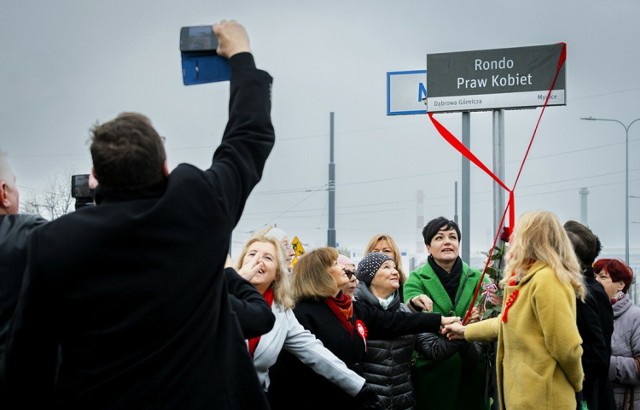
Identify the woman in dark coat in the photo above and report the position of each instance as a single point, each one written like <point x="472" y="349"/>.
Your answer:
<point x="343" y="325"/>
<point x="387" y="366"/>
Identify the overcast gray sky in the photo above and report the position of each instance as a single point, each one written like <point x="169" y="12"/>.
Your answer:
<point x="71" y="63"/>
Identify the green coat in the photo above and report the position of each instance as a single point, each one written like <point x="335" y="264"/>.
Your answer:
<point x="456" y="382"/>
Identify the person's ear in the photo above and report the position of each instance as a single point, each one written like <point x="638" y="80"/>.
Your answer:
<point x="93" y="181"/>
<point x="4" y="201"/>
<point x="165" y="168"/>
<point x="6" y="204"/>
<point x="619" y="286"/>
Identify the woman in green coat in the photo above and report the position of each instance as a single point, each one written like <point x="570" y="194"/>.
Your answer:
<point x="448" y="375"/>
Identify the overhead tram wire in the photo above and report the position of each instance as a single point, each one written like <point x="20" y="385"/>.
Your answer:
<point x="446" y="196"/>
<point x="452" y="170"/>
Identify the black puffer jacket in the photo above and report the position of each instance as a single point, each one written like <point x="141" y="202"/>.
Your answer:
<point x="388" y="363"/>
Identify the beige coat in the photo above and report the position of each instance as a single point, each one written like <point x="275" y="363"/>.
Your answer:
<point x="539" y="347"/>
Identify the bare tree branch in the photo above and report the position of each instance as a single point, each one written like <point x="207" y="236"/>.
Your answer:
<point x="54" y="200"/>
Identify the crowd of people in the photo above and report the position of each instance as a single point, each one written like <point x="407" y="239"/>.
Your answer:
<point x="135" y="303"/>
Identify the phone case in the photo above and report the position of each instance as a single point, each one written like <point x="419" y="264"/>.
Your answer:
<point x="199" y="68"/>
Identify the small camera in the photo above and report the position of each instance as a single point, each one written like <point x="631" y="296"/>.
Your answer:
<point x="80" y="190"/>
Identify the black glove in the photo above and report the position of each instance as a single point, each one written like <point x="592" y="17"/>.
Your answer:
<point x="368" y="398"/>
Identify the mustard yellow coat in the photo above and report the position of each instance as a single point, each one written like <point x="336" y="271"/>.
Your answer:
<point x="539" y="348"/>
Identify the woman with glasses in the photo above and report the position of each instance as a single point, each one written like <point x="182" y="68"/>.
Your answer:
<point x="350" y="270"/>
<point x="344" y="326"/>
<point x="624" y="369"/>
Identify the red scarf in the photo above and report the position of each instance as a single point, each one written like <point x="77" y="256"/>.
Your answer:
<point x="253" y="342"/>
<point x="342" y="307"/>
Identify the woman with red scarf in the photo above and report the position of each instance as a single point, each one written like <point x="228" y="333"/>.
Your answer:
<point x="344" y="327"/>
<point x="262" y="263"/>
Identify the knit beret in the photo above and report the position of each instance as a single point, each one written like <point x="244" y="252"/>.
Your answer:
<point x="369" y="265"/>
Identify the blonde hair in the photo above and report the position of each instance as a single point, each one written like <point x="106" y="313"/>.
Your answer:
<point x="397" y="257"/>
<point x="539" y="236"/>
<point x="311" y="279"/>
<point x="280" y="285"/>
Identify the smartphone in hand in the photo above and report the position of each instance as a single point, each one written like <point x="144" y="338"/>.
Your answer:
<point x="200" y="62"/>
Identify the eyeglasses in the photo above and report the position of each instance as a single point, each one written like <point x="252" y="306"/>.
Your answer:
<point x="349" y="273"/>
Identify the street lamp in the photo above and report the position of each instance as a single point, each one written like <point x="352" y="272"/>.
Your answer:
<point x="626" y="183"/>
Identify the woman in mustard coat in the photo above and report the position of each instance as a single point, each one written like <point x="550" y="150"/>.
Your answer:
<point x="539" y="347"/>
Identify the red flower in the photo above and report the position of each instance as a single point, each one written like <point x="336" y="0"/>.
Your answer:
<point x="506" y="234"/>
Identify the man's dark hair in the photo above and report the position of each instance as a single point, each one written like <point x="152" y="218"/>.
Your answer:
<point x="127" y="152"/>
<point x="585" y="243"/>
<point x="435" y="225"/>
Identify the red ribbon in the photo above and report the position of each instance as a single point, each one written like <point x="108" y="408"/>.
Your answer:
<point x="455" y="143"/>
<point x="507" y="306"/>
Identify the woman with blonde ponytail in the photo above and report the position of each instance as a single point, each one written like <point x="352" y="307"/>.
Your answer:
<point x="539" y="346"/>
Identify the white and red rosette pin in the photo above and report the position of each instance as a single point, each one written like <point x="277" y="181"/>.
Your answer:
<point x="362" y="331"/>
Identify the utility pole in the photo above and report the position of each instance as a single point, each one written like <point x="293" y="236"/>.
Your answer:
<point x="498" y="167"/>
<point x="331" y="231"/>
<point x="465" y="228"/>
<point x="626" y="178"/>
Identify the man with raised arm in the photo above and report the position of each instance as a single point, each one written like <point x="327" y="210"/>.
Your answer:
<point x="125" y="304"/>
